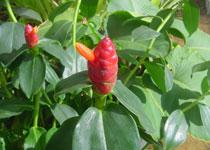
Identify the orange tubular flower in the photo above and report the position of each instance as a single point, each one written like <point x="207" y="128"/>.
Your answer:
<point x="102" y="64"/>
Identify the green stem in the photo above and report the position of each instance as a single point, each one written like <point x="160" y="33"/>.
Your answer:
<point x="148" y="49"/>
<point x="75" y="22"/>
<point x="9" y="9"/>
<point x="36" y="109"/>
<point x="47" y="98"/>
<point x="3" y="82"/>
<point x="193" y="104"/>
<point x="100" y="101"/>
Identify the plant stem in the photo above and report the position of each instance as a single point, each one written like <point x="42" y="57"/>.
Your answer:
<point x="100" y="101"/>
<point x="3" y="82"/>
<point x="36" y="109"/>
<point x="148" y="49"/>
<point x="75" y="22"/>
<point x="9" y="9"/>
<point x="47" y="98"/>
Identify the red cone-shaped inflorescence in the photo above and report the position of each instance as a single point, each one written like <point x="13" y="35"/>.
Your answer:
<point x="102" y="64"/>
<point x="31" y="36"/>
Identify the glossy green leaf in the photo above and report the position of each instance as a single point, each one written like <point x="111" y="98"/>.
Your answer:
<point x="2" y="144"/>
<point x="63" y="136"/>
<point x="103" y="128"/>
<point x="161" y="76"/>
<point x="62" y="112"/>
<point x="13" y="108"/>
<point x="133" y="104"/>
<point x="88" y="8"/>
<point x="205" y="113"/>
<point x="51" y="75"/>
<point x="55" y="49"/>
<point x="75" y="81"/>
<point x="33" y="137"/>
<point x="151" y="102"/>
<point x="191" y="16"/>
<point x="60" y="30"/>
<point x="175" y="130"/>
<point x="28" y="13"/>
<point x="163" y="14"/>
<point x="44" y="139"/>
<point x="144" y="33"/>
<point x="11" y="37"/>
<point x="31" y="75"/>
<point x="78" y="63"/>
<point x="60" y="9"/>
<point x="198" y="117"/>
<point x="134" y="7"/>
<point x="201" y="67"/>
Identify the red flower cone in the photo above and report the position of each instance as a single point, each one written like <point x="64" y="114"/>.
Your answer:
<point x="102" y="64"/>
<point x="31" y="36"/>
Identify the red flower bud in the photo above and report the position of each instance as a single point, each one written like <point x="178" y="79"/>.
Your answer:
<point x="31" y="36"/>
<point x="102" y="70"/>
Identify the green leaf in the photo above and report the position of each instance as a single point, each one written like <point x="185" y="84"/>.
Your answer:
<point x="161" y="76"/>
<point x="33" y="137"/>
<point x="111" y="129"/>
<point x="151" y="100"/>
<point x="133" y="104"/>
<point x="75" y="81"/>
<point x="134" y="7"/>
<point x="13" y="108"/>
<point x="191" y="16"/>
<point x="28" y="13"/>
<point x="8" y="58"/>
<point x="88" y="8"/>
<point x="197" y="117"/>
<point x="60" y="30"/>
<point x="44" y="139"/>
<point x="78" y="63"/>
<point x="53" y="48"/>
<point x="51" y="75"/>
<point x="144" y="33"/>
<point x="31" y="75"/>
<point x="163" y="14"/>
<point x="175" y="130"/>
<point x="60" y="9"/>
<point x="205" y="117"/>
<point x="201" y="67"/>
<point x="62" y="112"/>
<point x="63" y="136"/>
<point x="11" y="37"/>
<point x="2" y="144"/>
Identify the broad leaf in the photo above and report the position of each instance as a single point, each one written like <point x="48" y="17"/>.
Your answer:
<point x="191" y="16"/>
<point x="51" y="75"/>
<point x="2" y="144"/>
<point x="63" y="136"/>
<point x="205" y="117"/>
<point x="60" y="9"/>
<point x="134" y="7"/>
<point x="11" y="37"/>
<point x="28" y="13"/>
<point x="75" y="81"/>
<point x="33" y="137"/>
<point x="62" y="112"/>
<point x="161" y="76"/>
<point x="201" y="67"/>
<point x="14" y="108"/>
<point x="133" y="104"/>
<point x="31" y="75"/>
<point x="44" y="139"/>
<point x="175" y="130"/>
<point x="113" y="128"/>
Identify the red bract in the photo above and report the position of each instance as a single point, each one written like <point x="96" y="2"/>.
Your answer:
<point x="102" y="70"/>
<point x="31" y="36"/>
